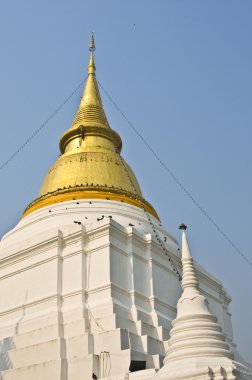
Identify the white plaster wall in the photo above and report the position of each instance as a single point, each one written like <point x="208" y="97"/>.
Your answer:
<point x="61" y="281"/>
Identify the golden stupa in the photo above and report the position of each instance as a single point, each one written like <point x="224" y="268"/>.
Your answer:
<point x="90" y="166"/>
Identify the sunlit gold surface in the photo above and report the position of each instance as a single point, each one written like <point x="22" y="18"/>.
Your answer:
<point x="90" y="118"/>
<point x="91" y="168"/>
<point x="90" y="165"/>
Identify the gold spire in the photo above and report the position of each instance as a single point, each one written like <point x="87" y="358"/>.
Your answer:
<point x="90" y="114"/>
<point x="91" y="66"/>
<point x="92" y="44"/>
<point x="90" y="165"/>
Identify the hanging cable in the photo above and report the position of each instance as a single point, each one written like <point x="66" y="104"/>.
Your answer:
<point x="152" y="225"/>
<point x="179" y="183"/>
<point x="42" y="126"/>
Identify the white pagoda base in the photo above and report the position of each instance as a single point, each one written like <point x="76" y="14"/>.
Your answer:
<point x="81" y="297"/>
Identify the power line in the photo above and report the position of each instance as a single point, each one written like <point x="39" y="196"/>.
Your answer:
<point x="179" y="183"/>
<point x="42" y="126"/>
<point x="156" y="234"/>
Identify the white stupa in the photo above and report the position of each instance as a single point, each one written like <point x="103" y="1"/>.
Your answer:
<point x="197" y="348"/>
<point x="89" y="276"/>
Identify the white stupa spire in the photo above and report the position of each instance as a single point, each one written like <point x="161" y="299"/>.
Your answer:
<point x="191" y="295"/>
<point x="197" y="348"/>
<point x="189" y="280"/>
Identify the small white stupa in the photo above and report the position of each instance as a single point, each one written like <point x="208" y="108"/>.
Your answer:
<point x="197" y="348"/>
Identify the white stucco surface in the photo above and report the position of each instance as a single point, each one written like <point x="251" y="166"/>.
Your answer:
<point x="78" y="299"/>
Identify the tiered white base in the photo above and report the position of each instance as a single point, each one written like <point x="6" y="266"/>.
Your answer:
<point x="89" y="298"/>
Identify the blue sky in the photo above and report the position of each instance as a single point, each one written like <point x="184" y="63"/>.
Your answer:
<point x="181" y="72"/>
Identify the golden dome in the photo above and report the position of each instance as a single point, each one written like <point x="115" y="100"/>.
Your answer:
<point x="90" y="166"/>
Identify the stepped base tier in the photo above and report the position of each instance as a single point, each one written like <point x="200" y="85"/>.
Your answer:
<point x="87" y="293"/>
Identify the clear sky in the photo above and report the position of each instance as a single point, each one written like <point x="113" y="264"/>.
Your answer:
<point x="181" y="72"/>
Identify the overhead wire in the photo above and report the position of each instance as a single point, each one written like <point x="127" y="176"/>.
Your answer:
<point x="162" y="163"/>
<point x="152" y="225"/>
<point x="175" y="178"/>
<point x="42" y="126"/>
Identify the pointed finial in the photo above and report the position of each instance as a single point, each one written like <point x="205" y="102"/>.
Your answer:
<point x="186" y="254"/>
<point x="189" y="279"/>
<point x="91" y="66"/>
<point x="92" y="44"/>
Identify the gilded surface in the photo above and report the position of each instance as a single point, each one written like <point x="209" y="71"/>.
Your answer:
<point x="90" y="164"/>
<point x="90" y="168"/>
